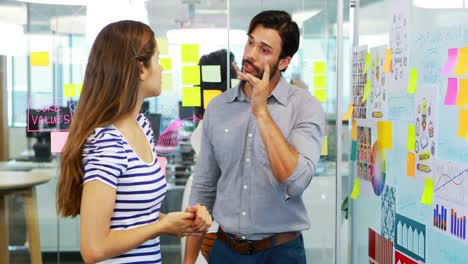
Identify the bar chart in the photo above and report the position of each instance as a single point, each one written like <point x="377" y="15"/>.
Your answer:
<point x="457" y="224"/>
<point x="440" y="217"/>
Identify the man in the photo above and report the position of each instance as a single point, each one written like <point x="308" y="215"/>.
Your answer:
<point x="261" y="143"/>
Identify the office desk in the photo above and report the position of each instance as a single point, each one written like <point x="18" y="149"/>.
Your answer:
<point x="21" y="183"/>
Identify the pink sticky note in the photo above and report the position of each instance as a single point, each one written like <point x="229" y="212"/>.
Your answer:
<point x="452" y="91"/>
<point x="451" y="61"/>
<point x="57" y="141"/>
<point x="162" y="163"/>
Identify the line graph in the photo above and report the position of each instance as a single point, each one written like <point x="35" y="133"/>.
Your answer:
<point x="450" y="182"/>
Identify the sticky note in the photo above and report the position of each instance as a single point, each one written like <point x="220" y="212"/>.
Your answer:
<point x="166" y="63"/>
<point x="321" y="94"/>
<point x="163" y="46"/>
<point x="162" y="163"/>
<point x="353" y="150"/>
<point x="411" y="141"/>
<point x="320" y="81"/>
<point x="39" y="58"/>
<point x="451" y="61"/>
<point x="366" y="91"/>
<point x="191" y="75"/>
<point x="348" y="114"/>
<point x="413" y="81"/>
<point x="69" y="90"/>
<point x="356" y="188"/>
<point x="324" y="146"/>
<point x="463" y="123"/>
<point x="208" y="95"/>
<point x="452" y="91"/>
<point x="368" y="62"/>
<point x="428" y="193"/>
<point x="354" y="130"/>
<point x="189" y="53"/>
<point x="80" y="87"/>
<point x="388" y="61"/>
<point x="211" y="73"/>
<point x="234" y="82"/>
<point x="462" y="64"/>
<point x="166" y="82"/>
<point x="320" y="67"/>
<point x="410" y="164"/>
<point x="191" y="96"/>
<point x="384" y="134"/>
<point x="462" y="98"/>
<point x="57" y="141"/>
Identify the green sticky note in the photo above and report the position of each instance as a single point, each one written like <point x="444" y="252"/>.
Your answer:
<point x="189" y="53"/>
<point x="80" y="87"/>
<point x="69" y="90"/>
<point x="321" y="94"/>
<point x="320" y="67"/>
<point x="366" y="91"/>
<point x="191" y="96"/>
<point x="368" y="62"/>
<point x="411" y="142"/>
<point x="426" y="197"/>
<point x="356" y="189"/>
<point x="324" y="151"/>
<point x="211" y="73"/>
<point x="191" y="75"/>
<point x="320" y="81"/>
<point x="166" y="82"/>
<point x="166" y="63"/>
<point x="163" y="46"/>
<point x="354" y="150"/>
<point x="413" y="81"/>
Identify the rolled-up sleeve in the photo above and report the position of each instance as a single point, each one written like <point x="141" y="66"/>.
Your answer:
<point x="306" y="138"/>
<point x="207" y="172"/>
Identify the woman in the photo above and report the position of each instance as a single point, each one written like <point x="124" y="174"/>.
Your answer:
<point x="109" y="172"/>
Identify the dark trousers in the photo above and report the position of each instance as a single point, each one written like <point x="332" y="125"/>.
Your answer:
<point x="291" y="252"/>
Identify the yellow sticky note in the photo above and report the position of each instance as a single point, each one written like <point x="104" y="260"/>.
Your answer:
<point x="463" y="123"/>
<point x="208" y="95"/>
<point x="320" y="67"/>
<point x="426" y="197"/>
<point x="462" y="64"/>
<point x="163" y="46"/>
<point x="354" y="130"/>
<point x="166" y="63"/>
<point x="462" y="98"/>
<point x="356" y="188"/>
<point x="191" y="75"/>
<point x="411" y="141"/>
<point x="384" y="134"/>
<point x="39" y="58"/>
<point x="189" y="53"/>
<point x="69" y="90"/>
<point x="166" y="82"/>
<point x="388" y="61"/>
<point x="413" y="81"/>
<point x="321" y="94"/>
<point x="410" y="164"/>
<point x="191" y="96"/>
<point x="80" y="87"/>
<point x="325" y="146"/>
<point x="366" y="91"/>
<point x="348" y="114"/>
<point x="211" y="73"/>
<point x="320" y="81"/>
<point x="368" y="62"/>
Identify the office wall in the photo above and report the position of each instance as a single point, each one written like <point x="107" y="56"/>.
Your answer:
<point x="3" y="111"/>
<point x="410" y="164"/>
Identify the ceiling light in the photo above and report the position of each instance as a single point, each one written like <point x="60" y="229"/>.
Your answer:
<point x="211" y="11"/>
<point x="302" y="16"/>
<point x="56" y="2"/>
<point x="445" y="4"/>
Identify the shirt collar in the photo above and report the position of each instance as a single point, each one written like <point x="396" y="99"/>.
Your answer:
<point x="280" y="93"/>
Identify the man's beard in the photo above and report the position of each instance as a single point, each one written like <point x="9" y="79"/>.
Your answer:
<point x="259" y="73"/>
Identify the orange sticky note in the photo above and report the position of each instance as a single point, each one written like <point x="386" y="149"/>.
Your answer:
<point x="384" y="134"/>
<point x="354" y="130"/>
<point x="208" y="95"/>
<point x="348" y="114"/>
<point x="388" y="61"/>
<point x="410" y="163"/>
<point x="463" y="123"/>
<point x="39" y="58"/>
<point x="462" y="98"/>
<point x="462" y="65"/>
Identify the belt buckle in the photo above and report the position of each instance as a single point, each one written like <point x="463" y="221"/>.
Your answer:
<point x="251" y="247"/>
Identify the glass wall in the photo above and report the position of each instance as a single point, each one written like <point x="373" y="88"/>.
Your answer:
<point x="409" y="138"/>
<point x="46" y="55"/>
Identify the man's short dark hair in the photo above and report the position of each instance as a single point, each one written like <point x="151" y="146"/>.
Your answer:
<point x="287" y="29"/>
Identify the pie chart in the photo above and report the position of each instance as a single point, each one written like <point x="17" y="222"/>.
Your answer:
<point x="377" y="168"/>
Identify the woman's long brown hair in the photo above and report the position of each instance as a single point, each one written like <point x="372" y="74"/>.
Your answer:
<point x="110" y="91"/>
